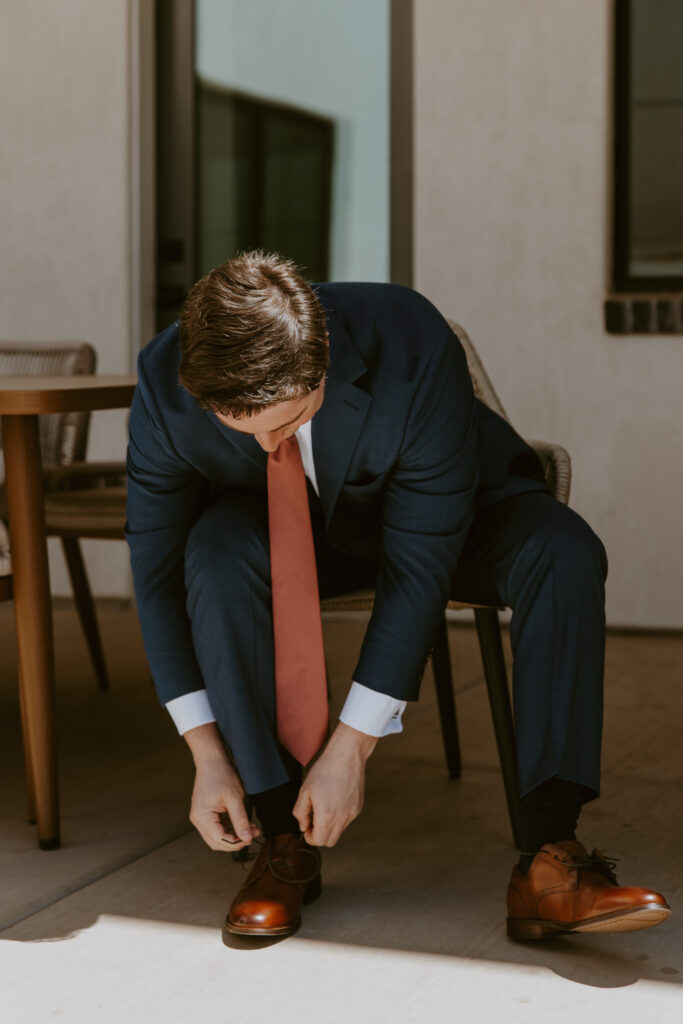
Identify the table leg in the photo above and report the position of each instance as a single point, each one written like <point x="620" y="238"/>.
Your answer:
<point x="28" y="763"/>
<point x="33" y="611"/>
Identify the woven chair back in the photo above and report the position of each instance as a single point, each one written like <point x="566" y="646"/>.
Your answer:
<point x="481" y="382"/>
<point x="63" y="436"/>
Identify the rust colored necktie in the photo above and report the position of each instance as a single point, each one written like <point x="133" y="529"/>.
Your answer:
<point x="300" y="679"/>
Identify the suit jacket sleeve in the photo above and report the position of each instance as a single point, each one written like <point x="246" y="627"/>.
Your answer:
<point x="165" y="497"/>
<point x="428" y="508"/>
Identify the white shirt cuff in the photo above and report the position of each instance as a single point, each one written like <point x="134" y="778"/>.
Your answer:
<point x="190" y="710"/>
<point x="373" y="713"/>
<point x="376" y="714"/>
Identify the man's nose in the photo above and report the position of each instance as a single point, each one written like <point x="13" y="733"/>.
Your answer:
<point x="269" y="441"/>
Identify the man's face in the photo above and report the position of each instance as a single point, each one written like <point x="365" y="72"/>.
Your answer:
<point x="277" y="422"/>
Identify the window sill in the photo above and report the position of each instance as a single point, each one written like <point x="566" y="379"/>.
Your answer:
<point x="654" y="313"/>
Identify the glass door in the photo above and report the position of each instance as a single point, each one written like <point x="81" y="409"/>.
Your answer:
<point x="274" y="133"/>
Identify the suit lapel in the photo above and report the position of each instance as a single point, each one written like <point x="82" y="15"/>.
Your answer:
<point x="337" y="425"/>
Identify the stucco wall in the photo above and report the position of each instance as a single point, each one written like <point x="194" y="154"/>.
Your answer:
<point x="64" y="203"/>
<point x="513" y="129"/>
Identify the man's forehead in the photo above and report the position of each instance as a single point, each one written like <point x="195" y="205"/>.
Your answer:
<point x="274" y="417"/>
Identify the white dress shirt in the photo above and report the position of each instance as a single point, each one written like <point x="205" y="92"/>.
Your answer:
<point x="376" y="714"/>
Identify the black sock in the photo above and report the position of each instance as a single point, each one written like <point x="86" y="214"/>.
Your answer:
<point x="549" y="815"/>
<point x="274" y="808"/>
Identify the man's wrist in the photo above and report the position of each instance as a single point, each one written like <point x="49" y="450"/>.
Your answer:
<point x="347" y="740"/>
<point x="206" y="745"/>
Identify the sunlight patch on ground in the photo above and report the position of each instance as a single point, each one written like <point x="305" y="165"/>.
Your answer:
<point x="148" y="971"/>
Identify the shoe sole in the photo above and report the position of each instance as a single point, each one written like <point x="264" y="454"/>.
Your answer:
<point x="311" y="893"/>
<point x="287" y="929"/>
<point x="635" y="920"/>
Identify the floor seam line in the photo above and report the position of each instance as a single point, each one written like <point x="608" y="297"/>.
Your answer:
<point x="91" y="881"/>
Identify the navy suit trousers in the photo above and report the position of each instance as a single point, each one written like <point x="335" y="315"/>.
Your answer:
<point x="528" y="552"/>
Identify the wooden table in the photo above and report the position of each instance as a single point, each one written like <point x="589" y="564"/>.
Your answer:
<point x="22" y="400"/>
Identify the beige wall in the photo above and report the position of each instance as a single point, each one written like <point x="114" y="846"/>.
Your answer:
<point x="65" y="202"/>
<point x="512" y="237"/>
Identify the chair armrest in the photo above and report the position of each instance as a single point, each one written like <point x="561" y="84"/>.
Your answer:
<point x="557" y="467"/>
<point x="84" y="476"/>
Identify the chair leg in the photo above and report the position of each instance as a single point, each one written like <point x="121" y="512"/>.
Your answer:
<point x="86" y="608"/>
<point x="490" y="642"/>
<point x="441" y="664"/>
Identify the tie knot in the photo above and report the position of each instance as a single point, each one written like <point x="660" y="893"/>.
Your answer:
<point x="286" y="451"/>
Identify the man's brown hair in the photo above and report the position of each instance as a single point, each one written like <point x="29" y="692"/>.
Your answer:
<point x="252" y="333"/>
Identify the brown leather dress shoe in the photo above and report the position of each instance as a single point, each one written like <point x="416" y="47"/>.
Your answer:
<point x="567" y="890"/>
<point x="285" y="875"/>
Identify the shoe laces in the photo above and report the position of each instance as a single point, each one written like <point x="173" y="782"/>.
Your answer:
<point x="594" y="861"/>
<point x="282" y="857"/>
<point x="286" y="858"/>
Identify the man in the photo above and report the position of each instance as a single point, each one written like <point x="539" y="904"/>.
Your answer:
<point x="411" y="486"/>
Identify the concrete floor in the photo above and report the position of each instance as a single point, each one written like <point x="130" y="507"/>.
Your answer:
<point x="124" y="920"/>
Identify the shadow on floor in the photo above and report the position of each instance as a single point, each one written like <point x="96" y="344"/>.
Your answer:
<point x="424" y="869"/>
<point x="398" y="893"/>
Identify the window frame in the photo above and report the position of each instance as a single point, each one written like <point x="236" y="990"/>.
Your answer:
<point x="622" y="280"/>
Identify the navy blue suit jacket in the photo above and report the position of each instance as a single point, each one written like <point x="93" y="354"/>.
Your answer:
<point x="404" y="455"/>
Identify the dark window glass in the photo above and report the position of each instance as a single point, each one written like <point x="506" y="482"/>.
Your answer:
<point x="263" y="180"/>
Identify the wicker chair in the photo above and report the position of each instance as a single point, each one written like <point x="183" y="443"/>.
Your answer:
<point x="557" y="469"/>
<point x="63" y="440"/>
<point x="6" y="592"/>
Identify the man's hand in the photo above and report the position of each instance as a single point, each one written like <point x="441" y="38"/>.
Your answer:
<point x="332" y="793"/>
<point x="217" y="792"/>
